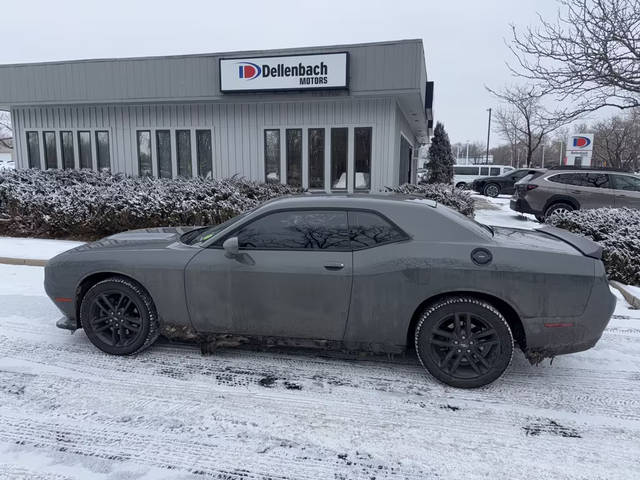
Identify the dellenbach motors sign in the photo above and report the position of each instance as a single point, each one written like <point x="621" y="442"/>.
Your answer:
<point x="293" y="72"/>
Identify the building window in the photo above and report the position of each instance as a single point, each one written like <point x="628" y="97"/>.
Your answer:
<point x="33" y="149"/>
<point x="163" y="153"/>
<point x="339" y="145"/>
<point x="84" y="149"/>
<point x="272" y="155"/>
<point x="294" y="157"/>
<point x="316" y="158"/>
<point x="362" y="157"/>
<point x="183" y="145"/>
<point x="68" y="157"/>
<point x="102" y="150"/>
<point x="203" y="149"/>
<point x="50" y="151"/>
<point x="145" y="167"/>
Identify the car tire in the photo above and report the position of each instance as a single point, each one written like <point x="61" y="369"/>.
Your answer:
<point x="492" y="190"/>
<point x="464" y="342"/>
<point x="558" y="207"/>
<point x="461" y="185"/>
<point x="119" y="317"/>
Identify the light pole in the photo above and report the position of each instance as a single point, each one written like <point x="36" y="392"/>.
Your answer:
<point x="467" y="160"/>
<point x="542" y="166"/>
<point x="488" y="136"/>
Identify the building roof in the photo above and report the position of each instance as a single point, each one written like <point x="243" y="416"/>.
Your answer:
<point x="395" y="68"/>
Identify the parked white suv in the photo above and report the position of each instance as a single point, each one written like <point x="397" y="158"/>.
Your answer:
<point x="464" y="175"/>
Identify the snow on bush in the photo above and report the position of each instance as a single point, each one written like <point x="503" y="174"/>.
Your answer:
<point x="617" y="230"/>
<point x="87" y="204"/>
<point x="443" y="193"/>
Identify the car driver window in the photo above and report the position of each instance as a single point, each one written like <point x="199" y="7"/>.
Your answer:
<point x="296" y="230"/>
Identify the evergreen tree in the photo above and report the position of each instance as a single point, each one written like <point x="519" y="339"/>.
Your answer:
<point x="441" y="159"/>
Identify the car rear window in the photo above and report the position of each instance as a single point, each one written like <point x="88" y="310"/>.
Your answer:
<point x="368" y="229"/>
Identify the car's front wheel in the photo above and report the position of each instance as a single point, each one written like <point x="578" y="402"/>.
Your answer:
<point x="464" y="341"/>
<point x="461" y="185"/>
<point x="119" y="316"/>
<point x="492" y="190"/>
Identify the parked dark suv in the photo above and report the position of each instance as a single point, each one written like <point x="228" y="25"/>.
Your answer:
<point x="573" y="188"/>
<point x="502" y="184"/>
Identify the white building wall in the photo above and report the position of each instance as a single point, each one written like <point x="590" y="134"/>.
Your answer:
<point x="237" y="130"/>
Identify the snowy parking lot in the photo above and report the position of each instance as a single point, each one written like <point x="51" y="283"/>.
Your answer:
<point x="68" y="411"/>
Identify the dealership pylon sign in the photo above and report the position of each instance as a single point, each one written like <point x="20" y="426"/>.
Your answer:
<point x="290" y="72"/>
<point x="579" y="149"/>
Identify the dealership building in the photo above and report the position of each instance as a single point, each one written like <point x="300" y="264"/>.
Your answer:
<point x="335" y="118"/>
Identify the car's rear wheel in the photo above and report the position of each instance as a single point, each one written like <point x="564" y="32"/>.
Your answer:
<point x="119" y="316"/>
<point x="558" y="208"/>
<point x="492" y="190"/>
<point x="461" y="185"/>
<point x="464" y="342"/>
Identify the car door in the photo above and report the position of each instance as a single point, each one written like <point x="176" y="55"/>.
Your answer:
<point x="591" y="189"/>
<point x="627" y="190"/>
<point x="291" y="278"/>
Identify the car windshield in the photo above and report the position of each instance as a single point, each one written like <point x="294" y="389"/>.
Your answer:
<point x="205" y="233"/>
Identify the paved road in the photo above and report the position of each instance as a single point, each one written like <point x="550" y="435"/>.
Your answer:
<point x="68" y="411"/>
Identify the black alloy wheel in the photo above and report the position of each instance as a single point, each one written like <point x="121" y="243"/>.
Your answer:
<point x="464" y="342"/>
<point x="119" y="317"/>
<point x="492" y="190"/>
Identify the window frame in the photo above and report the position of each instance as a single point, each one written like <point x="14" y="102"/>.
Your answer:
<point x="52" y="134"/>
<point x="91" y="149"/>
<point x="355" y="151"/>
<point x="63" y="159"/>
<point x="33" y="162"/>
<point x="217" y="242"/>
<point x="96" y="132"/>
<point x="150" y="174"/>
<point x="264" y="153"/>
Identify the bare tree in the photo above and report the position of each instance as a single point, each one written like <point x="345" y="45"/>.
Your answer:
<point x="524" y="120"/>
<point x="588" y="56"/>
<point x="618" y="141"/>
<point x="6" y="131"/>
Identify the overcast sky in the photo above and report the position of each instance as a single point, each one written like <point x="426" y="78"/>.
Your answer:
<point x="463" y="39"/>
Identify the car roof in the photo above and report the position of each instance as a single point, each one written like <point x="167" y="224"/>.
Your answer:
<point x="354" y="200"/>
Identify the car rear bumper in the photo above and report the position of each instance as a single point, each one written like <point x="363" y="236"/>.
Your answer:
<point x="548" y="337"/>
<point x="522" y="206"/>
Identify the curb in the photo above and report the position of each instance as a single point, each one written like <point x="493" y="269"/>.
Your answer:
<point x="633" y="300"/>
<point x="31" y="262"/>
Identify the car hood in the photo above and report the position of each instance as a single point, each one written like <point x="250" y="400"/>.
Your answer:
<point x="547" y="239"/>
<point x="141" y="239"/>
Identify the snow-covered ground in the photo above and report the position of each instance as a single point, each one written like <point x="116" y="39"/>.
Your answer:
<point x="68" y="411"/>
<point x="34" y="248"/>
<point x="496" y="211"/>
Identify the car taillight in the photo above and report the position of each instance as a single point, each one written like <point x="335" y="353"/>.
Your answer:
<point x="531" y="187"/>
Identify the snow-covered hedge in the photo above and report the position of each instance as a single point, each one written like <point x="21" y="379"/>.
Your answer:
<point x="87" y="204"/>
<point x="443" y="193"/>
<point x="617" y="230"/>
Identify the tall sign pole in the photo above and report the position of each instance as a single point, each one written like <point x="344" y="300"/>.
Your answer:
<point x="488" y="136"/>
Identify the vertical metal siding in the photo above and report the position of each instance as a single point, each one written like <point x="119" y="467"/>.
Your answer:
<point x="237" y="129"/>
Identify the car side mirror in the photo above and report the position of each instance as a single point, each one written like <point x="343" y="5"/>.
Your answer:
<point x="231" y="247"/>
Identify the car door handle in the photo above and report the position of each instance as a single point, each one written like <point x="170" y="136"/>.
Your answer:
<point x="334" y="266"/>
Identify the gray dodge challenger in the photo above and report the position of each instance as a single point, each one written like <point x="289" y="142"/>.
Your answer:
<point x="382" y="273"/>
